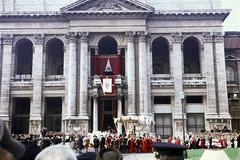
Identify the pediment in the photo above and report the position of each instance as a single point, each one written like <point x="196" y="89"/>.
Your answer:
<point x="231" y="57"/>
<point x="107" y="6"/>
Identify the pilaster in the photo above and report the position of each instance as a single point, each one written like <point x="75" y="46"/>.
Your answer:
<point x="177" y="67"/>
<point x="221" y="74"/>
<point x="7" y="41"/>
<point x="210" y="75"/>
<point x="130" y="70"/>
<point x="119" y="114"/>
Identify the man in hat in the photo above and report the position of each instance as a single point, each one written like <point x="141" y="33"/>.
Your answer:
<point x="8" y="143"/>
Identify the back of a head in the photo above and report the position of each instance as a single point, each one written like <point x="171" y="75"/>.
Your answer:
<point x="56" y="152"/>
<point x="5" y="155"/>
<point x="109" y="154"/>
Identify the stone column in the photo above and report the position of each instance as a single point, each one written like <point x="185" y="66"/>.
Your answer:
<point x="95" y="113"/>
<point x="37" y="75"/>
<point x="72" y="74"/>
<point x="149" y="75"/>
<point x="221" y="75"/>
<point x="176" y="56"/>
<point x="143" y="79"/>
<point x="210" y="76"/>
<point x="130" y="70"/>
<point x="6" y="76"/>
<point x="83" y="74"/>
<point x="119" y="114"/>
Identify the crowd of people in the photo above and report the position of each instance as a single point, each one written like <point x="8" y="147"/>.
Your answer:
<point x="131" y="143"/>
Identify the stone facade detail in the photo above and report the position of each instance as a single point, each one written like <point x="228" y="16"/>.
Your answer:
<point x="129" y="29"/>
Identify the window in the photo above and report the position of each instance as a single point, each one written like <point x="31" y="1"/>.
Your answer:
<point x="194" y="99"/>
<point x="163" y="125"/>
<point x="230" y="74"/>
<point x="160" y="56"/>
<point x="162" y="100"/>
<point x="191" y="56"/>
<point x="195" y="122"/>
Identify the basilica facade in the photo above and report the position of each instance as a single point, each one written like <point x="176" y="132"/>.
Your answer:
<point x="133" y="66"/>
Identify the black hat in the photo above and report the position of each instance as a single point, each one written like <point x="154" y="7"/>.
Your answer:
<point x="87" y="156"/>
<point x="8" y="143"/>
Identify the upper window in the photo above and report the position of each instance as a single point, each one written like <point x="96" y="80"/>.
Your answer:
<point x="107" y="45"/>
<point x="160" y="56"/>
<point x="24" y="54"/>
<point x="55" y="57"/>
<point x="191" y="56"/>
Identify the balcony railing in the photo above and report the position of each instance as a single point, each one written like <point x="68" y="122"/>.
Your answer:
<point x="22" y="77"/>
<point x="194" y="81"/>
<point x="162" y="81"/>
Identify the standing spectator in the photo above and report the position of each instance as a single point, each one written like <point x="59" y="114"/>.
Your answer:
<point x="96" y="143"/>
<point x="102" y="142"/>
<point x="238" y="141"/>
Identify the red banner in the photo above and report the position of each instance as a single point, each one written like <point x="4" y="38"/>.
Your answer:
<point x="100" y="62"/>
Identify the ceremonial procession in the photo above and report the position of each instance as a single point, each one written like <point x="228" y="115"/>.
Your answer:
<point x="119" y="80"/>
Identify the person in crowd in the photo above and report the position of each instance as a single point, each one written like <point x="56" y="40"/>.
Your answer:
<point x="102" y="142"/>
<point x="238" y="141"/>
<point x="96" y="143"/>
<point x="56" y="152"/>
<point x="9" y="144"/>
<point x="5" y="155"/>
<point x="87" y="156"/>
<point x="109" y="154"/>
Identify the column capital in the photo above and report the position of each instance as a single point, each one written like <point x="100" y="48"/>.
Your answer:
<point x="142" y="36"/>
<point x="83" y="36"/>
<point x="130" y="36"/>
<point x="177" y="37"/>
<point x="38" y="39"/>
<point x="218" y="36"/>
<point x="72" y="37"/>
<point x="207" y="36"/>
<point x="7" y="39"/>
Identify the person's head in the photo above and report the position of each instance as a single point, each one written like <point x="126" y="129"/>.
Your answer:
<point x="109" y="154"/>
<point x="6" y="142"/>
<point x="56" y="152"/>
<point x="5" y="155"/>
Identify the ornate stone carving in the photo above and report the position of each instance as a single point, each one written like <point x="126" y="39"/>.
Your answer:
<point x="207" y="36"/>
<point x="177" y="37"/>
<point x="130" y="36"/>
<point x="218" y="36"/>
<point x="38" y="38"/>
<point x="84" y="36"/>
<point x="71" y="37"/>
<point x="142" y="36"/>
<point x="108" y="5"/>
<point x="7" y="39"/>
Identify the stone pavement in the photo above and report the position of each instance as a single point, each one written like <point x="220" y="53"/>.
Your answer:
<point x="138" y="156"/>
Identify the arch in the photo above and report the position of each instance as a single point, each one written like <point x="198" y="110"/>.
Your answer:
<point x="54" y="57"/>
<point x="107" y="45"/>
<point x="191" y="55"/>
<point x="24" y="56"/>
<point x="230" y="73"/>
<point x="160" y="56"/>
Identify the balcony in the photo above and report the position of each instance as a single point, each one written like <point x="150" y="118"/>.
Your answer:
<point x="22" y="82"/>
<point x="162" y="82"/>
<point x="54" y="82"/>
<point x="194" y="82"/>
<point x="118" y="80"/>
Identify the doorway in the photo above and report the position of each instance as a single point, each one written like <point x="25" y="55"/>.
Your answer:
<point x="53" y="113"/>
<point x="107" y="110"/>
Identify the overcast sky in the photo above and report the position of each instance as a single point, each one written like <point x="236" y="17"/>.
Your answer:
<point x="232" y="23"/>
